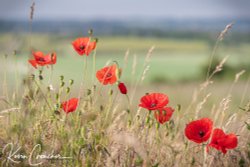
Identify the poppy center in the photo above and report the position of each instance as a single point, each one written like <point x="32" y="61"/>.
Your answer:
<point x="153" y="105"/>
<point x="201" y="133"/>
<point x="109" y="75"/>
<point x="82" y="47"/>
<point x="41" y="59"/>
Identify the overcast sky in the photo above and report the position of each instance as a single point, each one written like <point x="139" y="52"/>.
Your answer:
<point x="120" y="9"/>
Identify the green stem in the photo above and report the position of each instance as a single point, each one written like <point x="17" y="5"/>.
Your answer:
<point x="94" y="65"/>
<point x="148" y="117"/>
<point x="5" y="88"/>
<point x="16" y="74"/>
<point x="204" y="155"/>
<point x="51" y="75"/>
<point x="43" y="95"/>
<point x="84" y="77"/>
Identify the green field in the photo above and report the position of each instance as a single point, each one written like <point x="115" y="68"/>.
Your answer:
<point x="172" y="60"/>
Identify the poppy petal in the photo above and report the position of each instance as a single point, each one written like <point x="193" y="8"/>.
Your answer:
<point x="33" y="63"/>
<point x="222" y="141"/>
<point x="163" y="115"/>
<point x="199" y="130"/>
<point x="83" y="45"/>
<point x="70" y="105"/>
<point x="107" y="75"/>
<point x="154" y="101"/>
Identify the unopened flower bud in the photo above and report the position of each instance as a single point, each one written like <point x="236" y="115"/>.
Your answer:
<point x="122" y="87"/>
<point x="111" y="92"/>
<point x="61" y="77"/>
<point x="67" y="90"/>
<point x="96" y="40"/>
<point x="40" y="77"/>
<point x="62" y="84"/>
<point x="88" y="92"/>
<point x="90" y="32"/>
<point x="71" y="82"/>
<point x="57" y="96"/>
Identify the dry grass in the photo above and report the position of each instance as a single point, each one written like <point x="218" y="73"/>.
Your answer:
<point x="109" y="130"/>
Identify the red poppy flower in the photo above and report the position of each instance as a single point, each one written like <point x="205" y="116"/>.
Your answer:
<point x="222" y="141"/>
<point x="154" y="101"/>
<point x="107" y="75"/>
<point x="70" y="105"/>
<point x="122" y="87"/>
<point x="83" y="45"/>
<point x="200" y="130"/>
<point x="163" y="115"/>
<point x="41" y="60"/>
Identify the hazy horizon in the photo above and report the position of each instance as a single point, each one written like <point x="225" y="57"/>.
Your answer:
<point x="125" y="10"/>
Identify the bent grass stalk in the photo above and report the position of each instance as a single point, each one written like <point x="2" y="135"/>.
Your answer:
<point x="209" y="76"/>
<point x="39" y="88"/>
<point x="243" y="97"/>
<point x="145" y="69"/>
<point x="233" y="116"/>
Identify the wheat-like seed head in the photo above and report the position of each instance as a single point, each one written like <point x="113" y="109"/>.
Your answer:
<point x="32" y="10"/>
<point x="224" y="32"/>
<point x="237" y="76"/>
<point x="199" y="106"/>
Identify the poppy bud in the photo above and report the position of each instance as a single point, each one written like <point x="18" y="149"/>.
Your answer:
<point x="96" y="40"/>
<point x="178" y="107"/>
<point x="90" y="32"/>
<point x="122" y="88"/>
<point x="57" y="106"/>
<point x="71" y="82"/>
<point x="61" y="77"/>
<point x="57" y="96"/>
<point x="248" y="126"/>
<point x="129" y="123"/>
<point x="111" y="92"/>
<point x="40" y="77"/>
<point x="88" y="92"/>
<point x="62" y="84"/>
<point x="101" y="107"/>
<point x="67" y="90"/>
<point x="56" y="112"/>
<point x="157" y="125"/>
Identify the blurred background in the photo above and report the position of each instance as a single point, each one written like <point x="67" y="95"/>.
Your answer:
<point x="183" y="33"/>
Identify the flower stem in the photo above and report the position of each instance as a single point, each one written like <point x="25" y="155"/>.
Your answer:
<point x="45" y="98"/>
<point x="94" y="65"/>
<point x="204" y="155"/>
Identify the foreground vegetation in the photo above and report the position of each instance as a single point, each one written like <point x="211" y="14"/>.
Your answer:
<point x="108" y="128"/>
